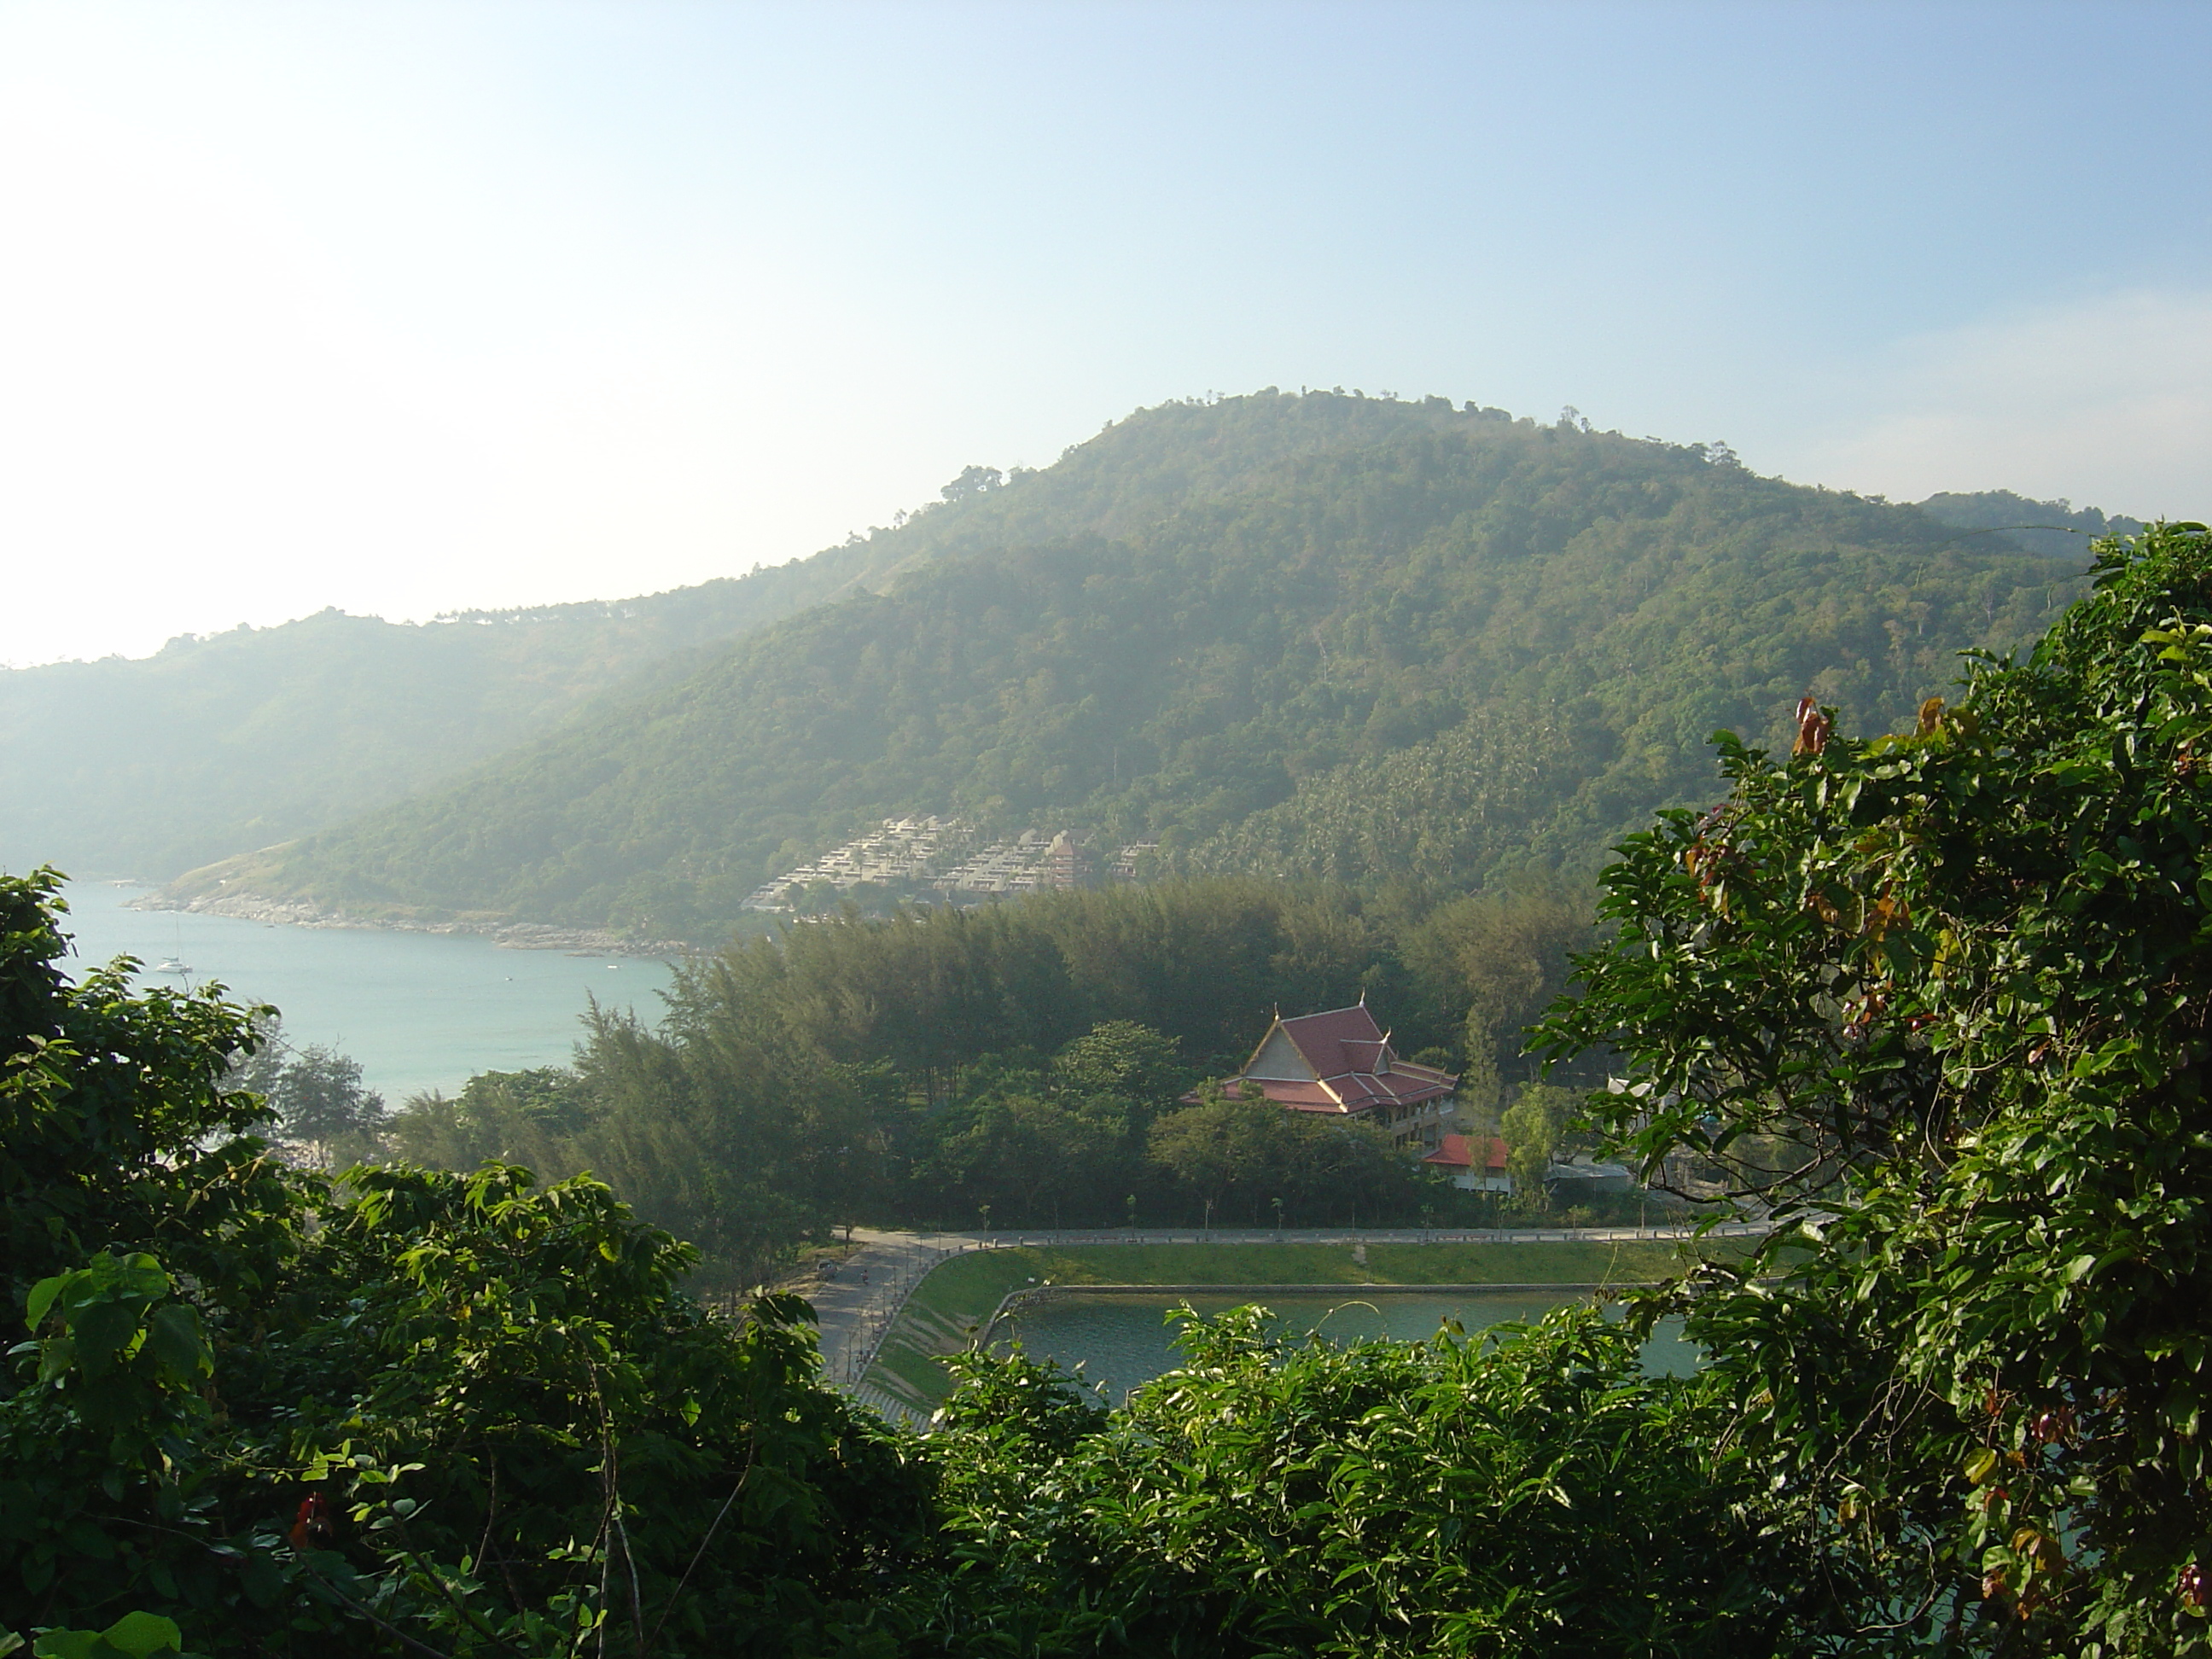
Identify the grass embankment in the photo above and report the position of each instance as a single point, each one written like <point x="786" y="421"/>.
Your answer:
<point x="951" y="1303"/>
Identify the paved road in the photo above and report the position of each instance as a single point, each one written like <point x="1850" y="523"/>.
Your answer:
<point x="871" y="1285"/>
<point x="859" y="1305"/>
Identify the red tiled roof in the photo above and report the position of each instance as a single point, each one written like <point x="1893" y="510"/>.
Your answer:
<point x="1324" y="1038"/>
<point x="1460" y="1151"/>
<point x="1361" y="1056"/>
<point x="1354" y="1067"/>
<point x="1308" y="1097"/>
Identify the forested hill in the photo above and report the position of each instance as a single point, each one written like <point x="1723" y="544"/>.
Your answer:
<point x="1324" y="635"/>
<point x="221" y="745"/>
<point x="216" y="744"/>
<point x="2058" y="528"/>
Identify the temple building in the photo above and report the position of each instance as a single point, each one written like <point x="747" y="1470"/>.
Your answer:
<point x="1340" y="1064"/>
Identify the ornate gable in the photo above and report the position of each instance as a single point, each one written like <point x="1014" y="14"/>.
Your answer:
<point x="1277" y="1057"/>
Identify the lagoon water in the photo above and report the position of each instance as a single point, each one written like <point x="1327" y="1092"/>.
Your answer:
<point x="418" y="1010"/>
<point x="1123" y="1340"/>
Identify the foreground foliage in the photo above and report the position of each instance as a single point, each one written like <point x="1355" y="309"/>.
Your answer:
<point x="1942" y="999"/>
<point x="1525" y="1497"/>
<point x="411" y="1413"/>
<point x="411" y="1409"/>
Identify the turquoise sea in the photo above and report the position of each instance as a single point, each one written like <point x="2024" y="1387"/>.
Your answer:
<point x="418" y="1010"/>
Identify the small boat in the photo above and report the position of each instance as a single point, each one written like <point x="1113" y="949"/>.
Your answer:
<point x="171" y="965"/>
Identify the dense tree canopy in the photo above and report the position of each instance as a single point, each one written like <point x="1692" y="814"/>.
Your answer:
<point x="472" y="1415"/>
<point x="1941" y="1000"/>
<point x="220" y="744"/>
<point x="1527" y="1498"/>
<point x="119" y="1129"/>
<point x="1028" y="1060"/>
<point x="1332" y="637"/>
<point x="465" y="1413"/>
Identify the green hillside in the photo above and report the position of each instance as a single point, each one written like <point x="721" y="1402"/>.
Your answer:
<point x="1323" y="635"/>
<point x="217" y="744"/>
<point x="2058" y="528"/>
<point x="221" y="745"/>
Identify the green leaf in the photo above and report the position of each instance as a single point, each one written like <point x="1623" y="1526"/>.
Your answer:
<point x="140" y="1634"/>
<point x="57" y="1354"/>
<point x="143" y="1278"/>
<point x="41" y="1299"/>
<point x="173" y="1335"/>
<point x="102" y="1332"/>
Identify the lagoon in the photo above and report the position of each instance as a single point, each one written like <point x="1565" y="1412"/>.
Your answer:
<point x="418" y="1010"/>
<point x="1122" y="1338"/>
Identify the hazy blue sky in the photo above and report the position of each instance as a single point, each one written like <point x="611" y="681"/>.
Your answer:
<point x="408" y="307"/>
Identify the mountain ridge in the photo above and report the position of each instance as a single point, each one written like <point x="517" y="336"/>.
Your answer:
<point x="222" y="743"/>
<point x="1308" y="605"/>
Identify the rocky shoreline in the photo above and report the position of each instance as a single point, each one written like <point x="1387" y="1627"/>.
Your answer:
<point x="509" y="935"/>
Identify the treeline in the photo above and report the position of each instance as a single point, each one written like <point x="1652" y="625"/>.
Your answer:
<point x="263" y="1415"/>
<point x="2058" y="528"/>
<point x="1021" y="1065"/>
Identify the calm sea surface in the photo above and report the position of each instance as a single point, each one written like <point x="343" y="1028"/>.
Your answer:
<point x="418" y="1010"/>
<point x="1123" y="1340"/>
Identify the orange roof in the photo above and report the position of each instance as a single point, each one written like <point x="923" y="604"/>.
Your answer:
<point x="1460" y="1152"/>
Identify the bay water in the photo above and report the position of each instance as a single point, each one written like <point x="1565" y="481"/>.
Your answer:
<point x="418" y="1010"/>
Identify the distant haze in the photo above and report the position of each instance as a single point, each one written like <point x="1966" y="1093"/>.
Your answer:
<point x="411" y="307"/>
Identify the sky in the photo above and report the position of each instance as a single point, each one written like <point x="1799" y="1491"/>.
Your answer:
<point x="406" y="308"/>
